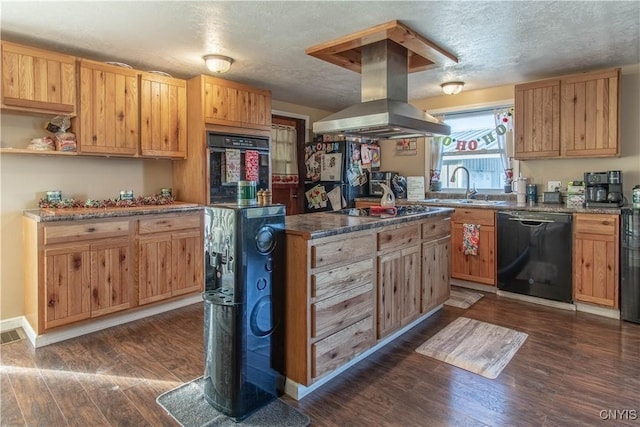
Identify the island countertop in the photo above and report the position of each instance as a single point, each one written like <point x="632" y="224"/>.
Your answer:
<point x="69" y="214"/>
<point x="324" y="224"/>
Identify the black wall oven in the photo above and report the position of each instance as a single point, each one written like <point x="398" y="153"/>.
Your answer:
<point x="233" y="158"/>
<point x="534" y="254"/>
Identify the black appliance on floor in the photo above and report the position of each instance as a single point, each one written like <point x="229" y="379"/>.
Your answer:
<point x="244" y="307"/>
<point x="534" y="254"/>
<point x="630" y="265"/>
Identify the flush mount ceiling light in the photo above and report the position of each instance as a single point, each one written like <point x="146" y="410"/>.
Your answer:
<point x="218" y="63"/>
<point x="452" y="88"/>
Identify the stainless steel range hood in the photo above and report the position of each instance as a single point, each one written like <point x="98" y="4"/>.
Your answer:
<point x="384" y="112"/>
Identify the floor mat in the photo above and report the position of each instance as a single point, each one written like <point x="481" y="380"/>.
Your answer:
<point x="462" y="298"/>
<point x="478" y="347"/>
<point x="186" y="404"/>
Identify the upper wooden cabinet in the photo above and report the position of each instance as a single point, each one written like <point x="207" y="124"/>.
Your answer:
<point x="537" y="110"/>
<point x="229" y="103"/>
<point x="37" y="80"/>
<point x="109" y="112"/>
<point x="573" y="116"/>
<point x="163" y="116"/>
<point x="589" y="114"/>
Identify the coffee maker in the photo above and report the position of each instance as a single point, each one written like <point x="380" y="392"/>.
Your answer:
<point x="603" y="189"/>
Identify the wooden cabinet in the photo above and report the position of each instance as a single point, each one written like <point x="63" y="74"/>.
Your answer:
<point x="398" y="270"/>
<point x="36" y="80"/>
<point x="572" y="116"/>
<point x="108" y="121"/>
<point x="479" y="268"/>
<point x="589" y="114"/>
<point x="163" y="116"/>
<point x="330" y="303"/>
<point x="77" y="270"/>
<point x="537" y="118"/>
<point x="596" y="259"/>
<point x="170" y="257"/>
<point x="436" y="274"/>
<point x="86" y="271"/>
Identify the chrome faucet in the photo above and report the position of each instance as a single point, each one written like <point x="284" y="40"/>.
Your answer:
<point x="468" y="193"/>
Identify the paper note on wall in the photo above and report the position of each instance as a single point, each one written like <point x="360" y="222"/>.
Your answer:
<point x="415" y="188"/>
<point x="331" y="167"/>
<point x="251" y="166"/>
<point x="335" y="198"/>
<point x="232" y="158"/>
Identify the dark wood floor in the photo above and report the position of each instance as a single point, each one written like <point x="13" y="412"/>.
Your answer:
<point x="572" y="367"/>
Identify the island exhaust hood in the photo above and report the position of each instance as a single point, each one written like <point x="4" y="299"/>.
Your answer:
<point x="384" y="55"/>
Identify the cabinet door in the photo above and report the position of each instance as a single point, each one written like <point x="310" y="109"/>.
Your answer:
<point x="109" y="112"/>
<point x="435" y="273"/>
<point x="389" y="311"/>
<point x="110" y="276"/>
<point x="187" y="262"/>
<point x="410" y="276"/>
<point x="38" y="80"/>
<point x="537" y="120"/>
<point x="232" y="104"/>
<point x="595" y="259"/>
<point x="479" y="268"/>
<point x="589" y="114"/>
<point x="67" y="284"/>
<point x="154" y="269"/>
<point x="163" y="116"/>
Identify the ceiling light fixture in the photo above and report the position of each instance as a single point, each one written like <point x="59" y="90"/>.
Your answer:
<point x="452" y="88"/>
<point x="218" y="63"/>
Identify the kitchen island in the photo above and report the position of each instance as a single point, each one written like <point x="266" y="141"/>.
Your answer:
<point x="355" y="283"/>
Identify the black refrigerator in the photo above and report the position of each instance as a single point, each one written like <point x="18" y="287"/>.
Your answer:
<point x="337" y="172"/>
<point x="630" y="265"/>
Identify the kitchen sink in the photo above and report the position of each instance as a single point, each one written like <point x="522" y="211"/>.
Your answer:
<point x="465" y="201"/>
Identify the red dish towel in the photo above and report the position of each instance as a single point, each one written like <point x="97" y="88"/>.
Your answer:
<point x="470" y="238"/>
<point x="251" y="159"/>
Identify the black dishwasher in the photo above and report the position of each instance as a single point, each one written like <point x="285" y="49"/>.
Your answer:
<point x="534" y="254"/>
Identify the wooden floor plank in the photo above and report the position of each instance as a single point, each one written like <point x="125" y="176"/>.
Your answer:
<point x="572" y="366"/>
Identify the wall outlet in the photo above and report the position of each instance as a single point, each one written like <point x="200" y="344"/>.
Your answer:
<point x="554" y="185"/>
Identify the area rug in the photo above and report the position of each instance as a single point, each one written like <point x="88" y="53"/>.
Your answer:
<point x="478" y="347"/>
<point x="462" y="298"/>
<point x="187" y="406"/>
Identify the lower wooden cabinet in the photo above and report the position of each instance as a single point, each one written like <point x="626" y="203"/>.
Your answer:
<point x="479" y="268"/>
<point x="596" y="239"/>
<point x="170" y="257"/>
<point x="77" y="270"/>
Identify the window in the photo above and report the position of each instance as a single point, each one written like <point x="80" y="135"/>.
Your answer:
<point x="477" y="142"/>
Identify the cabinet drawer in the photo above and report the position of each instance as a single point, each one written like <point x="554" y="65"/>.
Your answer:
<point x="78" y="232"/>
<point x="341" y="310"/>
<point x="474" y="216"/>
<point x="337" y="349"/>
<point x="400" y="237"/>
<point x="596" y="224"/>
<point x="340" y="250"/>
<point x="340" y="279"/>
<point x="156" y="225"/>
<point x="436" y="228"/>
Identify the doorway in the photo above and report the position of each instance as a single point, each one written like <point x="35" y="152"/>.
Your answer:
<point x="291" y="194"/>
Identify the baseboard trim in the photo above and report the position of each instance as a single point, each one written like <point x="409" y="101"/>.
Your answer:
<point x="473" y="285"/>
<point x="298" y="391"/>
<point x="600" y="311"/>
<point x="536" y="300"/>
<point x="62" y="334"/>
<point x="9" y="324"/>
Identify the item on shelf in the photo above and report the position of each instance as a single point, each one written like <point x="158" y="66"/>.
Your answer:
<point x="155" y="200"/>
<point x="165" y="192"/>
<point x="46" y="143"/>
<point x="575" y="194"/>
<point x="66" y="141"/>
<point x="54" y="196"/>
<point x="126" y="195"/>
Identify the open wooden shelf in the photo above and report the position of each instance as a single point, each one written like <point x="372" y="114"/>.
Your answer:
<point x="37" y="152"/>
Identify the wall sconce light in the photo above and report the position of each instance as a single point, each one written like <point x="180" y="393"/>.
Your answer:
<point x="452" y="88"/>
<point x="218" y="63"/>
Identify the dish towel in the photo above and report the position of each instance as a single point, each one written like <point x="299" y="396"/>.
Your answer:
<point x="470" y="238"/>
<point x="251" y="158"/>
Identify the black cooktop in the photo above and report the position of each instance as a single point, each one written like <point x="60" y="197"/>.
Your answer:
<point x="403" y="210"/>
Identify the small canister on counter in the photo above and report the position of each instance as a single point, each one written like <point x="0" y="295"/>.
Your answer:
<point x="532" y="193"/>
<point x="636" y="197"/>
<point x="247" y="194"/>
<point x="266" y="197"/>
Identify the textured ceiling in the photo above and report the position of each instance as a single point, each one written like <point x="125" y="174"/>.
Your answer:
<point x="496" y="42"/>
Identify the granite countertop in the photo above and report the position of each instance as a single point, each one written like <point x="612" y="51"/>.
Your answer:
<point x="70" y="214"/>
<point x="324" y="224"/>
<point x="508" y="204"/>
